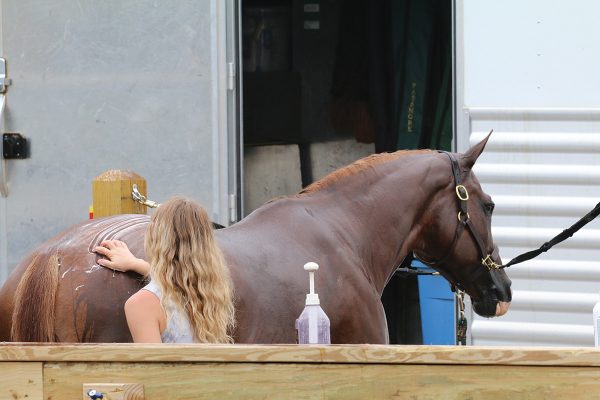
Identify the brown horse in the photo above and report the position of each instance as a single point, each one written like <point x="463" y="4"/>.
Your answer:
<point x="358" y="224"/>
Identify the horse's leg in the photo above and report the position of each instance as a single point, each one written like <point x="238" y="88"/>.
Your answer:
<point x="365" y="324"/>
<point x="90" y="299"/>
<point x="90" y="305"/>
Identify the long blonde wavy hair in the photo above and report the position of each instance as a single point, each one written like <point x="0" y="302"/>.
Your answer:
<point x="189" y="268"/>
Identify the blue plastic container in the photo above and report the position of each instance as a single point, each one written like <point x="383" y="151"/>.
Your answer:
<point x="438" y="312"/>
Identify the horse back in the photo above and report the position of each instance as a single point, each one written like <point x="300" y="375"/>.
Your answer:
<point x="60" y="293"/>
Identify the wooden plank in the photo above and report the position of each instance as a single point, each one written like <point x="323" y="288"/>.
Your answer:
<point x="474" y="355"/>
<point x="21" y="380"/>
<point x="328" y="381"/>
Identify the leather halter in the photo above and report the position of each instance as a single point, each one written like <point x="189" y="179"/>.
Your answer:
<point x="464" y="221"/>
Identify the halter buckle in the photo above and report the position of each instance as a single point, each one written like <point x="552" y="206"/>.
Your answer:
<point x="464" y="196"/>
<point x="489" y="263"/>
<point x="460" y="214"/>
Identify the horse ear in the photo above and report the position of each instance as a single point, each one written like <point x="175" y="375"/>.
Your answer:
<point x="470" y="156"/>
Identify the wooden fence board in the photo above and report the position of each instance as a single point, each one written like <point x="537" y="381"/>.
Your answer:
<point x="378" y="354"/>
<point x="20" y="380"/>
<point x="187" y="381"/>
<point x="59" y="371"/>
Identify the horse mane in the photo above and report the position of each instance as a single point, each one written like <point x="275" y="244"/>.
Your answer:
<point x="35" y="299"/>
<point x="356" y="167"/>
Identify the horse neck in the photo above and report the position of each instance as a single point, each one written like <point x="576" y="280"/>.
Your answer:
<point x="377" y="213"/>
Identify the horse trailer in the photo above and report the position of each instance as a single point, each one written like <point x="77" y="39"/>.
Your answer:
<point x="233" y="102"/>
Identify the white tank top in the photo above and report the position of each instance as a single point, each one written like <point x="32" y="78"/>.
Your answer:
<point x="178" y="328"/>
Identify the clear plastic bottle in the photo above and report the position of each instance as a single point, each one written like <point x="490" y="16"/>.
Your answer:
<point x="313" y="324"/>
<point x="596" y="317"/>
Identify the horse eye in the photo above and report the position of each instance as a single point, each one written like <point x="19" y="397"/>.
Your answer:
<point x="489" y="207"/>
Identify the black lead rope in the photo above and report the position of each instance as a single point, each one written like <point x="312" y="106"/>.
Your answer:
<point x="567" y="233"/>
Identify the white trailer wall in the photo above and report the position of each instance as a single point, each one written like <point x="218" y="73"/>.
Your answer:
<point x="529" y="71"/>
<point x="96" y="85"/>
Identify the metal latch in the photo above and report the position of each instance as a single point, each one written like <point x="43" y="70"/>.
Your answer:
<point x="4" y="81"/>
<point x="14" y="145"/>
<point x="140" y="198"/>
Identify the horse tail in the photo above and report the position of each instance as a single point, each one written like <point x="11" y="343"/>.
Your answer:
<point x="34" y="303"/>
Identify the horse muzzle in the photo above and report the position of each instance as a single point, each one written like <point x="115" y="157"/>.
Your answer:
<point x="493" y="305"/>
<point x="490" y="308"/>
<point x="501" y="308"/>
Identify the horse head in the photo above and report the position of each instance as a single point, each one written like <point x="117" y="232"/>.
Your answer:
<point x="457" y="238"/>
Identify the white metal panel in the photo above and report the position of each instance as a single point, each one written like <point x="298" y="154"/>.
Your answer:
<point x="531" y="54"/>
<point x="490" y="333"/>
<point x="528" y="70"/>
<point x="539" y="192"/>
<point x="135" y="85"/>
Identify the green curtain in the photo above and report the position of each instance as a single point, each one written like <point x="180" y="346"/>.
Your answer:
<point x="422" y="69"/>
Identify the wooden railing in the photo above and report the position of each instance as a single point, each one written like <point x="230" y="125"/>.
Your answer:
<point x="42" y="371"/>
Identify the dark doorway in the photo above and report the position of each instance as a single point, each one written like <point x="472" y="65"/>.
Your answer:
<point x="351" y="75"/>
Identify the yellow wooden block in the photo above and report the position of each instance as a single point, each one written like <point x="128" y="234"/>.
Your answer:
<point x="111" y="193"/>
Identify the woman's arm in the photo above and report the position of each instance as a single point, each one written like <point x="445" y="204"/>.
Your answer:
<point x="119" y="257"/>
<point x="145" y="317"/>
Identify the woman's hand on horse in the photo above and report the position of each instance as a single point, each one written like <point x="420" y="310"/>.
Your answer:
<point x="119" y="258"/>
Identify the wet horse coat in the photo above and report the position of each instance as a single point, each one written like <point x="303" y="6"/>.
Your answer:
<point x="358" y="224"/>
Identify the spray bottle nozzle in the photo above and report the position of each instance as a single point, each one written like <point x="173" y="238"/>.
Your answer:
<point x="312" y="298"/>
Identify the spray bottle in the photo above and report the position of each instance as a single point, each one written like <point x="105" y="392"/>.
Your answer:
<point x="313" y="324"/>
<point x="596" y="317"/>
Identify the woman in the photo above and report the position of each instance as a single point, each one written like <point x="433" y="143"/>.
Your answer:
<point x="190" y="294"/>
